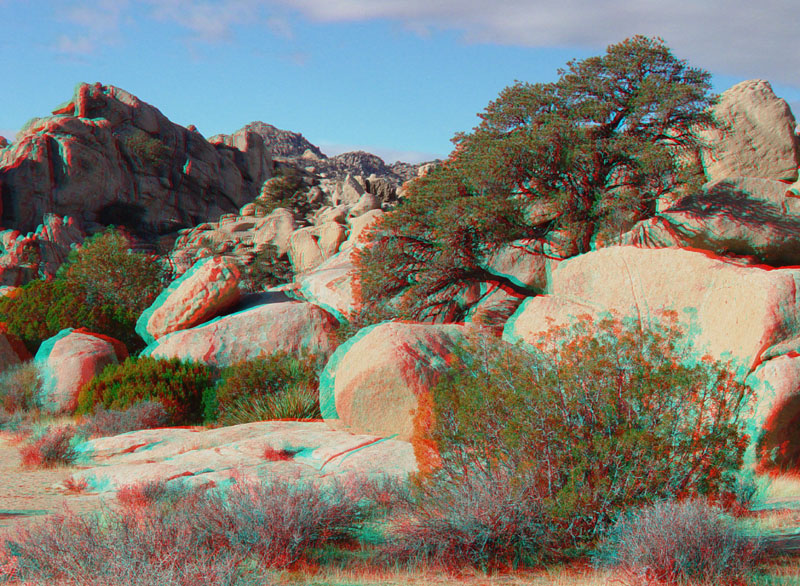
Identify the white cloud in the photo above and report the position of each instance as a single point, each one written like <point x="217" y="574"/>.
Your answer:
<point x="206" y="20"/>
<point x="97" y="22"/>
<point x="75" y="46"/>
<point x="736" y="37"/>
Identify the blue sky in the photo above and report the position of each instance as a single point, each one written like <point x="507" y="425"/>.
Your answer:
<point x="398" y="78"/>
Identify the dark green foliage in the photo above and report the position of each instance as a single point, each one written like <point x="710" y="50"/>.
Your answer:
<point x="106" y="270"/>
<point x="178" y="386"/>
<point x="599" y="146"/>
<point x="607" y="419"/>
<point x="148" y="150"/>
<point x="101" y="287"/>
<point x="267" y="269"/>
<point x="279" y="386"/>
<point x="287" y="190"/>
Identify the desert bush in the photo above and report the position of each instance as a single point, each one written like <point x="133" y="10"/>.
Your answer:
<point x="279" y="386"/>
<point x="267" y="269"/>
<point x="19" y="388"/>
<point x="278" y="523"/>
<point x="598" y="418"/>
<point x="689" y="542"/>
<point x="287" y="190"/>
<point x="54" y="448"/>
<point x="108" y="422"/>
<point x="102" y="287"/>
<point x="178" y="386"/>
<point x="486" y="519"/>
<point x="149" y="150"/>
<point x="153" y="494"/>
<point x="116" y="548"/>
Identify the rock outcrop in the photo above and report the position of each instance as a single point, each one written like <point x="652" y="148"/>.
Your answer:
<point x="742" y="216"/>
<point x="758" y="135"/>
<point x="106" y="157"/>
<point x="311" y="452"/>
<point x="734" y="312"/>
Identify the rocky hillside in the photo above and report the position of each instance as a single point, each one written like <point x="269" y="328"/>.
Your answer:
<point x="294" y="149"/>
<point x="105" y="157"/>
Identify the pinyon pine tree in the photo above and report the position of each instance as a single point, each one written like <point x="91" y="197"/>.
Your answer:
<point x="574" y="162"/>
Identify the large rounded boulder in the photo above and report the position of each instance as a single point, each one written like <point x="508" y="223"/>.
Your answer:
<point x="69" y="360"/>
<point x="372" y="382"/>
<point x="205" y="291"/>
<point x="276" y="324"/>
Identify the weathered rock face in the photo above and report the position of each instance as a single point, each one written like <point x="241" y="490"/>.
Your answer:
<point x="276" y="324"/>
<point x="240" y="236"/>
<point x="329" y="285"/>
<point x="745" y="216"/>
<point x="734" y="312"/>
<point x="69" y="360"/>
<point x="760" y="141"/>
<point x="283" y="143"/>
<point x="107" y="157"/>
<point x="312" y="452"/>
<point x="372" y="382"/>
<point x="206" y="290"/>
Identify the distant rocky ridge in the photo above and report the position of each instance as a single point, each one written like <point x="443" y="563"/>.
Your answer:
<point x="295" y="149"/>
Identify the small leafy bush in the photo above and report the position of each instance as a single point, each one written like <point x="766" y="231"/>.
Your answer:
<point x="689" y="542"/>
<point x="19" y="388"/>
<point x="178" y="386"/>
<point x="149" y="150"/>
<point x="279" y="386"/>
<point x="267" y="269"/>
<point x="109" y="422"/>
<point x="153" y="494"/>
<point x="598" y="418"/>
<point x="284" y="191"/>
<point x="54" y="448"/>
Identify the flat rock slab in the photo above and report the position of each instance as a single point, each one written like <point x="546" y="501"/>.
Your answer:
<point x="311" y="451"/>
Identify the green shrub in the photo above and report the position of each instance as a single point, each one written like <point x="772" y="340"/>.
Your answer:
<point x="670" y="542"/>
<point x="149" y="150"/>
<point x="267" y="269"/>
<point x="102" y="287"/>
<point x="597" y="419"/>
<point x="284" y="191"/>
<point x="178" y="386"/>
<point x="280" y="386"/>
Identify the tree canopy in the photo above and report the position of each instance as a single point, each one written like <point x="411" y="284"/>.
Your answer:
<point x="577" y="162"/>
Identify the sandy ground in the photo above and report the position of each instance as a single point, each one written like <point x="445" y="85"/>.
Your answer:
<point x="27" y="496"/>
